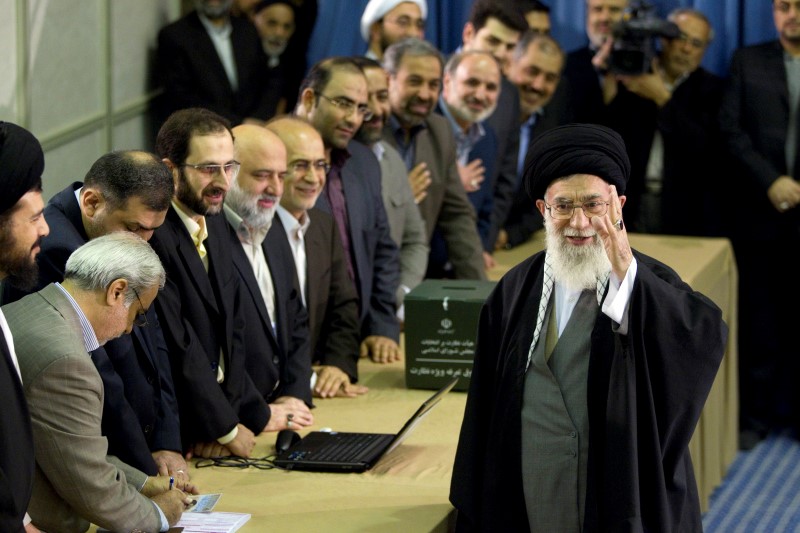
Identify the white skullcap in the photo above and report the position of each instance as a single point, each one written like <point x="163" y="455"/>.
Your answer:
<point x="376" y="9"/>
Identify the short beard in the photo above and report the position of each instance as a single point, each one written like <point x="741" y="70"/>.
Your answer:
<point x="20" y="269"/>
<point x="186" y="195"/>
<point x="575" y="267"/>
<point x="461" y="111"/>
<point x="246" y="206"/>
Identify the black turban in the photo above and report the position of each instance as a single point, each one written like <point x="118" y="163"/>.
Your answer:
<point x="264" y="4"/>
<point x="575" y="149"/>
<point x="21" y="164"/>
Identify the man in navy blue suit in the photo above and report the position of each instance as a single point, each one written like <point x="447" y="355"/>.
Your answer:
<point x="123" y="191"/>
<point x="472" y="82"/>
<point x="333" y="97"/>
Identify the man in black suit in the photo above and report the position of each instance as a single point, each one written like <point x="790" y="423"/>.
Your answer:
<point x="333" y="97"/>
<point x="212" y="60"/>
<point x="759" y="120"/>
<point x="668" y="120"/>
<point x="535" y="71"/>
<point x="22" y="227"/>
<point x="311" y="236"/>
<point x="276" y="336"/>
<point x="589" y="85"/>
<point x="123" y="191"/>
<point x="496" y="27"/>
<point x="199" y="307"/>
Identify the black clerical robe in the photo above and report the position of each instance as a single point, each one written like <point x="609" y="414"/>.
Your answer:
<point x="645" y="393"/>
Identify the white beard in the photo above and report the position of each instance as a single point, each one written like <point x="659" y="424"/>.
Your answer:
<point x="575" y="267"/>
<point x="246" y="206"/>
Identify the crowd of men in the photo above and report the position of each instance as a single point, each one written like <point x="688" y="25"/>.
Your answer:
<point x="211" y="290"/>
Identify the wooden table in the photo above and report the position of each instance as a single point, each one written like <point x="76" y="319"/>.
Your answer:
<point x="708" y="266"/>
<point x="407" y="491"/>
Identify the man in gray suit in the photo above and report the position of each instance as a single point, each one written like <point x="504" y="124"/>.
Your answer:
<point x="405" y="222"/>
<point x="415" y="78"/>
<point x="109" y="284"/>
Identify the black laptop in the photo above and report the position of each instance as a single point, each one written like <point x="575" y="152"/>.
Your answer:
<point x="351" y="452"/>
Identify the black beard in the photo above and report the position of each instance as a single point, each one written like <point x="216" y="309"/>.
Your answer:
<point x="186" y="196"/>
<point x="21" y="271"/>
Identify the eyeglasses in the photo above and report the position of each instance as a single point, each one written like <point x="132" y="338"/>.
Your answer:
<point x="407" y="23"/>
<point x="348" y="106"/>
<point x="230" y="169"/>
<point x="301" y="167"/>
<point x="564" y="211"/>
<point x="141" y="318"/>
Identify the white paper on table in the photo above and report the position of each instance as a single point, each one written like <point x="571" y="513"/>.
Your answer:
<point x="212" y="522"/>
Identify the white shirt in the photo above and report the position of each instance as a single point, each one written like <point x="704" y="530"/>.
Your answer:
<point x="221" y="38"/>
<point x="295" y="233"/>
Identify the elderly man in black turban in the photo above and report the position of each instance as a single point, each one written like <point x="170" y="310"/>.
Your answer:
<point x="592" y="365"/>
<point x="22" y="227"/>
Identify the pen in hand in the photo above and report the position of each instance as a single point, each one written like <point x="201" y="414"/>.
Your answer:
<point x="171" y="482"/>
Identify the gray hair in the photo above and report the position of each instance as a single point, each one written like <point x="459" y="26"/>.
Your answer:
<point x="96" y="264"/>
<point x="393" y="55"/>
<point x="675" y="13"/>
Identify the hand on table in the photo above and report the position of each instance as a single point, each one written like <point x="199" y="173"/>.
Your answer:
<point x="333" y="382"/>
<point x="380" y="349"/>
<point x="155" y="485"/>
<point x="171" y="463"/>
<point x="288" y="412"/>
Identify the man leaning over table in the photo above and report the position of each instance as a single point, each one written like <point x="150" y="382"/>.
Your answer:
<point x="109" y="285"/>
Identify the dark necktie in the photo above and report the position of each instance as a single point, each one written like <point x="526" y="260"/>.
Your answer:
<point x="335" y="194"/>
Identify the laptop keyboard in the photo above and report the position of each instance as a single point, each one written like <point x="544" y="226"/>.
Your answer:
<point x="348" y="447"/>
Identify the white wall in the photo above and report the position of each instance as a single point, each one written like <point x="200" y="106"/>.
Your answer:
<point x="78" y="74"/>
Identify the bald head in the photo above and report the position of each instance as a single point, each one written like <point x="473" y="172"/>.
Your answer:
<point x="306" y="164"/>
<point x="257" y="189"/>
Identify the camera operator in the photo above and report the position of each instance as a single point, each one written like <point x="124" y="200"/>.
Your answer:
<point x="667" y="118"/>
<point x="589" y="85"/>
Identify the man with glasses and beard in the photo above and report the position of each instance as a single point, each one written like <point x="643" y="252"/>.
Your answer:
<point x="276" y="336"/>
<point x="22" y="227"/>
<point x="593" y="363"/>
<point x="220" y="408"/>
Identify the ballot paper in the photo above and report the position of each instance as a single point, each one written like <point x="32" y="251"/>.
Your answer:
<point x="212" y="522"/>
<point x="204" y="503"/>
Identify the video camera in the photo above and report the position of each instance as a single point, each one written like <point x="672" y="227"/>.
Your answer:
<point x="634" y="39"/>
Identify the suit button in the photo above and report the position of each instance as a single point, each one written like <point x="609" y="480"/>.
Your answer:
<point x="149" y="380"/>
<point x="148" y="429"/>
<point x="573" y="434"/>
<point x="275" y="360"/>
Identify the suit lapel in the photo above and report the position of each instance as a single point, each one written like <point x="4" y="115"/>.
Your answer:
<point x="191" y="260"/>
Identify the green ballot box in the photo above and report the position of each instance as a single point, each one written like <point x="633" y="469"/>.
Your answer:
<point x="441" y="323"/>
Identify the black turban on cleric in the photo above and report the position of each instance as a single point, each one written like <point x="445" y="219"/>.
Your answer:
<point x="21" y="164"/>
<point x="575" y="149"/>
